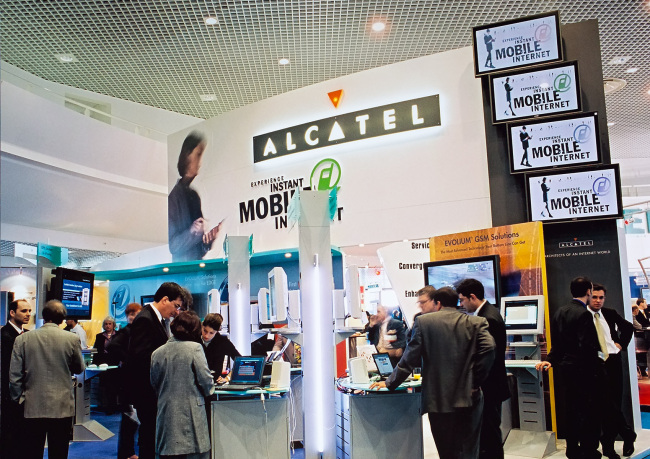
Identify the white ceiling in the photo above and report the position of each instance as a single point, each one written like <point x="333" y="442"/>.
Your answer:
<point x="162" y="54"/>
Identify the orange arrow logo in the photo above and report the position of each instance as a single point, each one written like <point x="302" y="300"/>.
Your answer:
<point x="335" y="97"/>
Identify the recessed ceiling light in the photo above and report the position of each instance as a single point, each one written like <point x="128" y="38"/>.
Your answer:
<point x="611" y="123"/>
<point x="165" y="269"/>
<point x="613" y="84"/>
<point x="66" y="58"/>
<point x="201" y="265"/>
<point x="208" y="97"/>
<point x="405" y="240"/>
<point x="211" y="20"/>
<point x="287" y="255"/>
<point x="378" y="26"/>
<point x="632" y="70"/>
<point x="619" y="60"/>
<point x="283" y="61"/>
<point x="362" y="245"/>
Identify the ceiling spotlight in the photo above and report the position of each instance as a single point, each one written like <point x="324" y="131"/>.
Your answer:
<point x="283" y="61"/>
<point x="211" y="20"/>
<point x="632" y="70"/>
<point x="165" y="269"/>
<point x="66" y="58"/>
<point x="208" y="97"/>
<point x="287" y="255"/>
<point x="610" y="124"/>
<point x="613" y="84"/>
<point x="362" y="245"/>
<point x="201" y="265"/>
<point x="378" y="26"/>
<point x="619" y="60"/>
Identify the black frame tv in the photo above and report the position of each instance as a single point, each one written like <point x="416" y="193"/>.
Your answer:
<point x="75" y="290"/>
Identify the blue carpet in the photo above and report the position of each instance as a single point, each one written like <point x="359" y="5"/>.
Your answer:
<point x="108" y="449"/>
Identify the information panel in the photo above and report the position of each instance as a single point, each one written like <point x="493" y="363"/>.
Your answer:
<point x="517" y="43"/>
<point x="545" y="91"/>
<point x="550" y="143"/>
<point x="579" y="194"/>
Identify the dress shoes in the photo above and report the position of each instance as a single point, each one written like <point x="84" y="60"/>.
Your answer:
<point x="628" y="446"/>
<point x="611" y="454"/>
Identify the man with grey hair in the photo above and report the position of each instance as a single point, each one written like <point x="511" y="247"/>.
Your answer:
<point x="40" y="376"/>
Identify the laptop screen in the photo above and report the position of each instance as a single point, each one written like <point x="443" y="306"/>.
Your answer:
<point x="247" y="370"/>
<point x="382" y="360"/>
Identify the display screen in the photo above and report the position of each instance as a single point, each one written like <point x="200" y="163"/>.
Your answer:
<point x="271" y="302"/>
<point x="247" y="370"/>
<point x="528" y="94"/>
<point x="575" y="195"/>
<point x="449" y="273"/>
<point x="75" y="290"/>
<point x="560" y="142"/>
<point x="523" y="315"/>
<point x="517" y="43"/>
<point x="384" y="367"/>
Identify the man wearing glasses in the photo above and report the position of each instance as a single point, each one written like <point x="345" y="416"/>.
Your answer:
<point x="148" y="334"/>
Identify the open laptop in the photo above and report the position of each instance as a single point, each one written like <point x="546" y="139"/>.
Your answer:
<point x="246" y="374"/>
<point x="384" y="367"/>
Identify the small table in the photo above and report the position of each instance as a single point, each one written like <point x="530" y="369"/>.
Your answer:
<point x="86" y="429"/>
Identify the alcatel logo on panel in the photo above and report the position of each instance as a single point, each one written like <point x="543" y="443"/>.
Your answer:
<point x="364" y="124"/>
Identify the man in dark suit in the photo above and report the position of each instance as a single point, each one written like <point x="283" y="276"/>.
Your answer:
<point x="148" y="334"/>
<point x="579" y="359"/>
<point x="456" y="352"/>
<point x="495" y="387"/>
<point x="617" y="333"/>
<point x="387" y="334"/>
<point x="642" y="317"/>
<point x="12" y="414"/>
<point x="40" y="377"/>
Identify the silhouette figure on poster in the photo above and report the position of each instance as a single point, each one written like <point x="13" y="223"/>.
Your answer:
<point x="524" y="137"/>
<point x="488" y="39"/>
<point x="545" y="190"/>
<point x="508" y="89"/>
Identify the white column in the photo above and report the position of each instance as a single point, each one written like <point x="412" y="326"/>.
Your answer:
<point x="239" y="296"/>
<point x="316" y="285"/>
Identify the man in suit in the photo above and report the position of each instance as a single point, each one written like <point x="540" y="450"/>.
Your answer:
<point x="148" y="334"/>
<point x="12" y="414"/>
<point x="579" y="359"/>
<point x="495" y="388"/>
<point x="617" y="333"/>
<point x="642" y="317"/>
<point x="456" y="352"/>
<point x="387" y="334"/>
<point x="40" y="376"/>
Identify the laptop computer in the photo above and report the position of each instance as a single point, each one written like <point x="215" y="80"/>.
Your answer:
<point x="246" y="374"/>
<point x="384" y="367"/>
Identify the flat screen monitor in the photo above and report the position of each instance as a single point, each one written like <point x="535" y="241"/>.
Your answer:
<point x="645" y="293"/>
<point x="449" y="273"/>
<point x="384" y="366"/>
<point x="75" y="290"/>
<point x="523" y="315"/>
<point x="278" y="294"/>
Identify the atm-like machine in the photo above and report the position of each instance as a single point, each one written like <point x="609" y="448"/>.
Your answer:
<point x="524" y="318"/>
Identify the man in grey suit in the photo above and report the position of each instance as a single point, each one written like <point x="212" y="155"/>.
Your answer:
<point x="40" y="376"/>
<point x="456" y="352"/>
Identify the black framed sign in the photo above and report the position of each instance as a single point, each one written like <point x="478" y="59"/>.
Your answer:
<point x="548" y="143"/>
<point x="517" y="43"/>
<point x="547" y="90"/>
<point x="578" y="194"/>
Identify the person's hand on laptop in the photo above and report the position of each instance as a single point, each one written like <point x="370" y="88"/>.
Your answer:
<point x="378" y="385"/>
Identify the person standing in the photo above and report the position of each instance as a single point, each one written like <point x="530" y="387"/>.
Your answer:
<point x="181" y="378"/>
<point x="73" y="326"/>
<point x="12" y="413"/>
<point x="387" y="334"/>
<point x="40" y="376"/>
<point x="545" y="190"/>
<point x="578" y="357"/>
<point x="488" y="39"/>
<point x="617" y="333"/>
<point x="189" y="238"/>
<point x="642" y="317"/>
<point x="495" y="387"/>
<point x="216" y="346"/>
<point x="456" y="352"/>
<point x="524" y="137"/>
<point x="508" y="88"/>
<point x="148" y="334"/>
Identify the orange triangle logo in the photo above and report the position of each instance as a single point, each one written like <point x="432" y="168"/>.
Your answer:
<point x="335" y="97"/>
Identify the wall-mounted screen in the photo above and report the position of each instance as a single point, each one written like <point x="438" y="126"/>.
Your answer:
<point x="449" y="273"/>
<point x="547" y="90"/>
<point x="578" y="194"/>
<point x="523" y="315"/>
<point x="75" y="290"/>
<point x="517" y="43"/>
<point x="572" y="140"/>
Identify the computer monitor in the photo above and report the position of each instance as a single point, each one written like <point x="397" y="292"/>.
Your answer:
<point x="278" y="294"/>
<point x="448" y="273"/>
<point x="523" y="315"/>
<point x="75" y="290"/>
<point x="384" y="365"/>
<point x="264" y="306"/>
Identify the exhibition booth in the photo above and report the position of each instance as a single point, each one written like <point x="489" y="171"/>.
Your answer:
<point x="427" y="154"/>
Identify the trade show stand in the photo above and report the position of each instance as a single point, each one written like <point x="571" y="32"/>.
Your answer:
<point x="252" y="424"/>
<point x="378" y="423"/>
<point x="86" y="429"/>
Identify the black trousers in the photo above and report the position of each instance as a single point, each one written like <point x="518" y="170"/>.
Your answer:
<point x="126" y="438"/>
<point x="491" y="444"/>
<point x="147" y="411"/>
<point x="457" y="434"/>
<point x="58" y="432"/>
<point x="12" y="432"/>
<point x="614" y="422"/>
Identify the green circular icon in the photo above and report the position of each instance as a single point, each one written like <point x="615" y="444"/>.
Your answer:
<point x="325" y="175"/>
<point x="562" y="82"/>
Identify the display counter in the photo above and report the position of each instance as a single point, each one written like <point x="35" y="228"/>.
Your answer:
<point x="378" y="423"/>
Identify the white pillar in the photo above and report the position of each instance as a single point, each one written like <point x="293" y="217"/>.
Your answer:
<point x="316" y="285"/>
<point x="239" y="296"/>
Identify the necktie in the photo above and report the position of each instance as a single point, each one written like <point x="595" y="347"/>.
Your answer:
<point x="601" y="335"/>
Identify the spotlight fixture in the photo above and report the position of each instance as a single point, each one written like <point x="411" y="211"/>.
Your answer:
<point x="378" y="26"/>
<point x="632" y="70"/>
<point x="283" y="61"/>
<point x="287" y="255"/>
<point x="613" y="84"/>
<point x="65" y="58"/>
<point x="619" y="60"/>
<point x="201" y="265"/>
<point x="166" y="269"/>
<point x="610" y="124"/>
<point x="211" y="20"/>
<point x="208" y="97"/>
